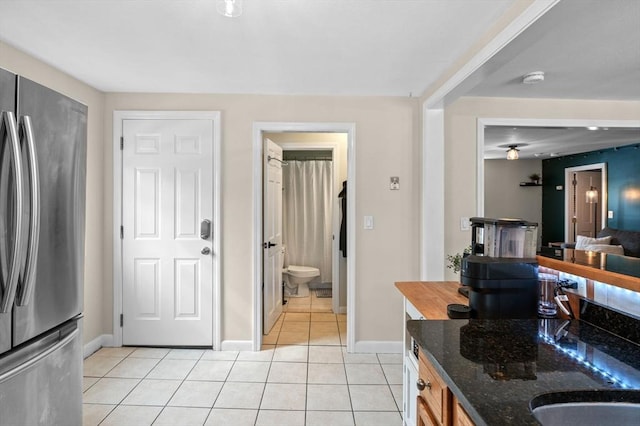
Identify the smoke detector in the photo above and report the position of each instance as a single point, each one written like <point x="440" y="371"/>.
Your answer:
<point x="533" y="77"/>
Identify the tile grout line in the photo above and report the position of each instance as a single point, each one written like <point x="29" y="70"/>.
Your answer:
<point x="236" y="362"/>
<point x="132" y="389"/>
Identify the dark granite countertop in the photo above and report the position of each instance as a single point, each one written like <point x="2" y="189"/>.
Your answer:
<point x="495" y="367"/>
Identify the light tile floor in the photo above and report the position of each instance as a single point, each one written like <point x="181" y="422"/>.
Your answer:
<point x="311" y="303"/>
<point x="303" y="376"/>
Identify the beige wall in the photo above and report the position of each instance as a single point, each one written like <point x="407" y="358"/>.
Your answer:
<point x="386" y="145"/>
<point x="19" y="63"/>
<point x="503" y="195"/>
<point x="461" y="140"/>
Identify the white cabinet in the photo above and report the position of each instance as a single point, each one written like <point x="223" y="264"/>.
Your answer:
<point x="410" y="391"/>
<point x="410" y="368"/>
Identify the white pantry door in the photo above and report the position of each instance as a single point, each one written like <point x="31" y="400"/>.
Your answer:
<point x="168" y="264"/>
<point x="272" y="241"/>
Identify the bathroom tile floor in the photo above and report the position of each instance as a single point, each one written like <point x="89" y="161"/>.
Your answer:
<point x="311" y="303"/>
<point x="302" y="376"/>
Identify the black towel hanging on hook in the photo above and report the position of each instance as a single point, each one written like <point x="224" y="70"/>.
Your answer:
<point x="343" y="223"/>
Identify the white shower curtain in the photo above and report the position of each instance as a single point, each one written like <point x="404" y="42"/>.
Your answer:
<point x="307" y="214"/>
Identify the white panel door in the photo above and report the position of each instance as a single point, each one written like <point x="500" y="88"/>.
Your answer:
<point x="167" y="264"/>
<point x="272" y="241"/>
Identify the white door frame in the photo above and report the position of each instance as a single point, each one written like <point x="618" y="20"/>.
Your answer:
<point x="118" y="116"/>
<point x="568" y="172"/>
<point x="275" y="127"/>
<point x="335" y="223"/>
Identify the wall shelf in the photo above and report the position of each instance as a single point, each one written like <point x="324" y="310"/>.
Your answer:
<point x="530" y="184"/>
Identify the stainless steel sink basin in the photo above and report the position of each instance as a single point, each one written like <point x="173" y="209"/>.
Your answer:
<point x="597" y="407"/>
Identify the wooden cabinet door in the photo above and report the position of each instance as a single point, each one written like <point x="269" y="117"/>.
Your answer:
<point x="425" y="416"/>
<point x="436" y="394"/>
<point x="460" y="417"/>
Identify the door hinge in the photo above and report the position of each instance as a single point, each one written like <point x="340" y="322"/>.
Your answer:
<point x="121" y="320"/>
<point x="122" y="232"/>
<point x="121" y="143"/>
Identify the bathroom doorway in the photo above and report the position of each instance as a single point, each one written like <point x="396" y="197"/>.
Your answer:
<point x="311" y="137"/>
<point x="314" y="171"/>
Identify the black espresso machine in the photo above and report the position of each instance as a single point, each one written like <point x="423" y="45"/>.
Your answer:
<point x="502" y="271"/>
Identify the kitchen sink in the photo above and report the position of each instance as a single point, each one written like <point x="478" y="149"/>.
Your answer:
<point x="592" y="407"/>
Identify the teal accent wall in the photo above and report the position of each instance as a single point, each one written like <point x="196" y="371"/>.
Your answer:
<point x="623" y="189"/>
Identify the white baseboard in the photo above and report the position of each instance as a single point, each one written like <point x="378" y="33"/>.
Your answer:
<point x="377" y="346"/>
<point x="97" y="343"/>
<point x="236" y="345"/>
<point x="342" y="310"/>
<point x="106" y="340"/>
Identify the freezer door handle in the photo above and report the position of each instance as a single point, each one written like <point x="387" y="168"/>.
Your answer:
<point x="9" y="133"/>
<point x="62" y="342"/>
<point x="28" y="277"/>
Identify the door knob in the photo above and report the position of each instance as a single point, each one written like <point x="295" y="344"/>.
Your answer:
<point x="205" y="250"/>
<point x="421" y="384"/>
<point x="269" y="245"/>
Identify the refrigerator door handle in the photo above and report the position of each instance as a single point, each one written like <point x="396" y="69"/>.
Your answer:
<point x="45" y="353"/>
<point x="28" y="278"/>
<point x="8" y="125"/>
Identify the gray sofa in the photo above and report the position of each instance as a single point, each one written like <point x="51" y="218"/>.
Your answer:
<point x="629" y="240"/>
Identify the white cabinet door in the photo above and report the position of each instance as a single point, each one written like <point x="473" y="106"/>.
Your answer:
<point x="410" y="392"/>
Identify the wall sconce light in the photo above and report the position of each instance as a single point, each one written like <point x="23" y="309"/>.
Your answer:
<point x="512" y="152"/>
<point x="592" y="198"/>
<point x="229" y="8"/>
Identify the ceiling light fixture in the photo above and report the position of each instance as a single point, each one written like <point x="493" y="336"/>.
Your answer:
<point x="533" y="77"/>
<point x="512" y="152"/>
<point x="592" y="128"/>
<point x="229" y="8"/>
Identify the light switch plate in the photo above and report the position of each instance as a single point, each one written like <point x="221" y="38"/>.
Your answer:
<point x="394" y="183"/>
<point x="610" y="215"/>
<point x="368" y="222"/>
<point x="464" y="224"/>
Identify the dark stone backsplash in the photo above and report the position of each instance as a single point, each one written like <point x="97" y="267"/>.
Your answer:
<point x="615" y="322"/>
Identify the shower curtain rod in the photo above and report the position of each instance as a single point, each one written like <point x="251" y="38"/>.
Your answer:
<point x="310" y="159"/>
<point x="284" y="163"/>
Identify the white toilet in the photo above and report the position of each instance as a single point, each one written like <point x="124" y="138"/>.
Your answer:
<point x="296" y="278"/>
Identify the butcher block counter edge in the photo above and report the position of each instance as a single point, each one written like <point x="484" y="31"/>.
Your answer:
<point x="432" y="297"/>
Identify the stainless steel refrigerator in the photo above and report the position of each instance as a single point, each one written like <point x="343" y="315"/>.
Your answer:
<point x="42" y="208"/>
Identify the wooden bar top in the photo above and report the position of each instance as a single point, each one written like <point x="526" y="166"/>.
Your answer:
<point x="593" y="273"/>
<point x="432" y="297"/>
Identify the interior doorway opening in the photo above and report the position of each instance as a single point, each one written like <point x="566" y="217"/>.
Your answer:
<point x="307" y="143"/>
<point x="586" y="200"/>
<point x="314" y="176"/>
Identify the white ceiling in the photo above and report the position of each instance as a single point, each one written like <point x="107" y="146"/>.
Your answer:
<point x="324" y="47"/>
<point x="589" y="49"/>
<point x="547" y="142"/>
